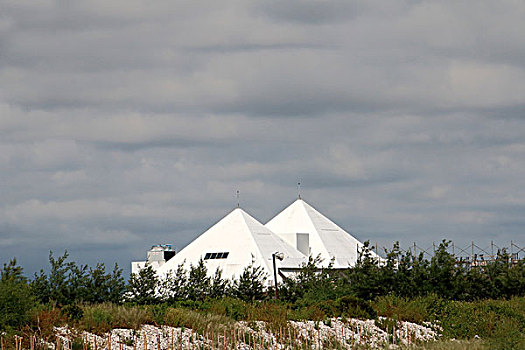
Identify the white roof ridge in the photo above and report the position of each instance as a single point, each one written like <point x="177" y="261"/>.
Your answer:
<point x="244" y="216"/>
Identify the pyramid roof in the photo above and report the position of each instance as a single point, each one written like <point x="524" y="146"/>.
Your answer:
<point x="244" y="239"/>
<point x="325" y="238"/>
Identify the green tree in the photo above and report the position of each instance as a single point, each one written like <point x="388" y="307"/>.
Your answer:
<point x="411" y="275"/>
<point x="313" y="283"/>
<point x="69" y="283"/>
<point x="16" y="300"/>
<point x="198" y="284"/>
<point x="115" y="285"/>
<point x="174" y="286"/>
<point x="218" y="286"/>
<point x="102" y="286"/>
<point x="365" y="278"/>
<point x="77" y="287"/>
<point x="59" y="288"/>
<point x="250" y="285"/>
<point x="443" y="272"/>
<point x="142" y="286"/>
<point x="40" y="287"/>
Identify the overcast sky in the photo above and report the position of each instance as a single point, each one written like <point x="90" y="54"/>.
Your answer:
<point x="128" y="123"/>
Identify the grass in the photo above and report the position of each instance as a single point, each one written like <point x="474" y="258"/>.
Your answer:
<point x="101" y="318"/>
<point x="448" y="344"/>
<point x="500" y="324"/>
<point x="200" y="322"/>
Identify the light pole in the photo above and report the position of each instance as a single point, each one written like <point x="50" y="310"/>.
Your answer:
<point x="279" y="256"/>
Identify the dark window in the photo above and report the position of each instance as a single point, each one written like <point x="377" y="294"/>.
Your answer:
<point x="168" y="254"/>
<point x="222" y="255"/>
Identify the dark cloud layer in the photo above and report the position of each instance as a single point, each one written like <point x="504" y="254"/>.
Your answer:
<point x="129" y="123"/>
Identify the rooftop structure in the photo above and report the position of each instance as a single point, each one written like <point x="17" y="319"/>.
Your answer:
<point x="238" y="240"/>
<point x="232" y="244"/>
<point x="326" y="239"/>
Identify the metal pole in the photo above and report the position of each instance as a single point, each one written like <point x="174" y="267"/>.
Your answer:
<point x="275" y="277"/>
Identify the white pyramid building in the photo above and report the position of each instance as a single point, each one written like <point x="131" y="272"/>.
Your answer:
<point x="232" y="244"/>
<point x="300" y="224"/>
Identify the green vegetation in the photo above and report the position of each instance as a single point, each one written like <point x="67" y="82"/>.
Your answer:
<point x="466" y="302"/>
<point x="15" y="297"/>
<point x="68" y="283"/>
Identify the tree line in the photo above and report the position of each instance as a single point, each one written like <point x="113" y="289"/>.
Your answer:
<point x="400" y="274"/>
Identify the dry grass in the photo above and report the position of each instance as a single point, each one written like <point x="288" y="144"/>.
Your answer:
<point x="450" y="345"/>
<point x="103" y="317"/>
<point x="195" y="320"/>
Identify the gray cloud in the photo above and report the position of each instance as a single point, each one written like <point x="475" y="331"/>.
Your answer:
<point x="128" y="123"/>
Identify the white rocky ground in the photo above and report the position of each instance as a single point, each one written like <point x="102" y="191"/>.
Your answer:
<point x="334" y="333"/>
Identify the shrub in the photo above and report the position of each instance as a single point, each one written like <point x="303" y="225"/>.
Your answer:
<point x="100" y="318"/>
<point x="198" y="285"/>
<point x="350" y="306"/>
<point x="250" y="285"/>
<point x="329" y="308"/>
<point x="68" y="283"/>
<point x="142" y="286"/>
<point x="73" y="311"/>
<point x="230" y="307"/>
<point x="415" y="310"/>
<point x="312" y="313"/>
<point x="16" y="300"/>
<point x="498" y="319"/>
<point x="176" y="317"/>
<point x="45" y="317"/>
<point x="276" y="315"/>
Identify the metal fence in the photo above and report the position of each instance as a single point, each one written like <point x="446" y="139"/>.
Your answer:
<point x="470" y="255"/>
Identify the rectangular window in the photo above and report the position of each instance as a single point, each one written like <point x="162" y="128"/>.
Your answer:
<point x="221" y="255"/>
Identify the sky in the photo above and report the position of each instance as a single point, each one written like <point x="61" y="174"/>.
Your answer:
<point x="129" y="123"/>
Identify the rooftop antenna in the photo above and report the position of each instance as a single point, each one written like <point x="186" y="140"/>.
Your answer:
<point x="238" y="200"/>
<point x="299" y="190"/>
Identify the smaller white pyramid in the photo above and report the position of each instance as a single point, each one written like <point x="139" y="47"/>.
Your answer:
<point x="232" y="244"/>
<point x="326" y="239"/>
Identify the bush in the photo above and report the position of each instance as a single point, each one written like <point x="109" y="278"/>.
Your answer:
<point x="276" y="315"/>
<point x="176" y="317"/>
<point x="415" y="310"/>
<point x="98" y="319"/>
<point x="68" y="283"/>
<point x="101" y="318"/>
<point x="142" y="286"/>
<point x="73" y="311"/>
<point x="354" y="307"/>
<point x="497" y="319"/>
<point x="230" y="307"/>
<point x="309" y="313"/>
<point x="500" y="322"/>
<point x="45" y="317"/>
<point x="250" y="285"/>
<point x="16" y="300"/>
